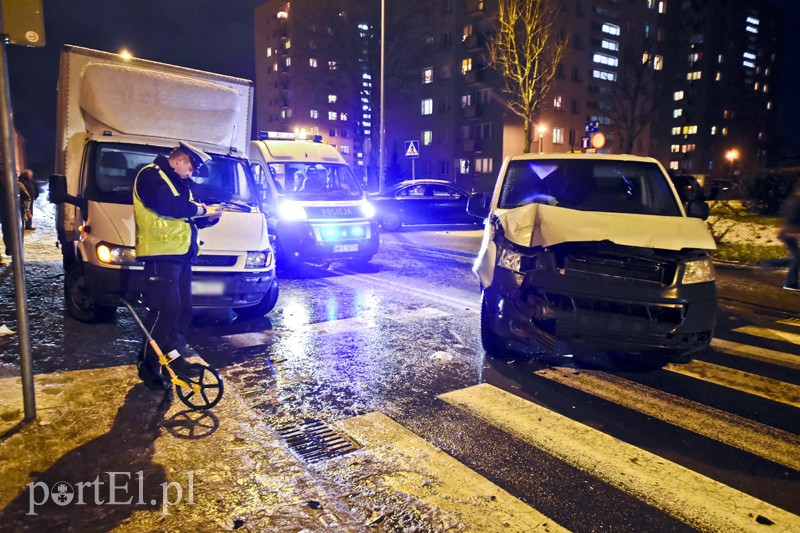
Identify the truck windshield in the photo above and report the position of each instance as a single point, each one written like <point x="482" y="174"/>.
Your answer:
<point x="115" y="166"/>
<point x="589" y="185"/>
<point x="315" y="181"/>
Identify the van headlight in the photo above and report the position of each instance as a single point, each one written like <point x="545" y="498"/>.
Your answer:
<point x="367" y="210"/>
<point x="115" y="255"/>
<point x="698" y="271"/>
<point x="289" y="210"/>
<point x="509" y="259"/>
<point x="256" y="259"/>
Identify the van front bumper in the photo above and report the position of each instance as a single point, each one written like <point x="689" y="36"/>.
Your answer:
<point x="309" y="241"/>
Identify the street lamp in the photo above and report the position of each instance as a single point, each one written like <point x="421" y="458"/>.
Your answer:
<point x="542" y="128"/>
<point x="732" y="155"/>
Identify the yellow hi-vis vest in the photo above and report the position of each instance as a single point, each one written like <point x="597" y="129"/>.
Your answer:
<point x="155" y="234"/>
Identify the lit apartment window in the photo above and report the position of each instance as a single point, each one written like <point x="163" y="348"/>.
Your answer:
<point x="769" y="105"/>
<point x="558" y="135"/>
<point x="466" y="32"/>
<point x="288" y="61"/>
<point x="677" y="113"/>
<point x="288" y="44"/>
<point x="751" y="29"/>
<point x="345" y="149"/>
<point x="748" y="64"/>
<point x="466" y="100"/>
<point x="463" y="166"/>
<point x="608" y="44"/>
<point x="466" y="65"/>
<point x="332" y="65"/>
<point x="342" y="116"/>
<point x="332" y="98"/>
<point x="675" y="148"/>
<point x="269" y="52"/>
<point x="427" y="75"/>
<point x="483" y="165"/>
<point x="658" y="62"/>
<point x="694" y="57"/>
<point x="674" y="165"/>
<point x="724" y="132"/>
<point x="756" y="86"/>
<point x="694" y="75"/>
<point x="332" y="115"/>
<point x="314" y="113"/>
<point x="312" y="62"/>
<point x="676" y="130"/>
<point x="604" y="75"/>
<point x="662" y="7"/>
<point x="678" y="95"/>
<point x="427" y="137"/>
<point x="427" y="106"/>
<point x="604" y="59"/>
<point x="719" y="59"/>
<point x="611" y="29"/>
<point x="282" y="15"/>
<point x="557" y="103"/>
<point x="689" y="130"/>
<point x="718" y="76"/>
<point x="713" y="130"/>
<point x="274" y="67"/>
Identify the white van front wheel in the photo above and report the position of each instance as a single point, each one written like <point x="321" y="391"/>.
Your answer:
<point x="266" y="304"/>
<point x="79" y="301"/>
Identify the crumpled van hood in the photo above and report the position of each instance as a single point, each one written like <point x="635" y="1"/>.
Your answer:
<point x="546" y="225"/>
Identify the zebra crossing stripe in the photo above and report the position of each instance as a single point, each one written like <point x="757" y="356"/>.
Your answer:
<point x="755" y="352"/>
<point x="769" y="388"/>
<point x="764" y="441"/>
<point x="790" y="322"/>
<point x="769" y="333"/>
<point x="686" y="495"/>
<point x="426" y="473"/>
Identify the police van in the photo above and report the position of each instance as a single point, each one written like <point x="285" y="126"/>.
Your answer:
<point x="316" y="210"/>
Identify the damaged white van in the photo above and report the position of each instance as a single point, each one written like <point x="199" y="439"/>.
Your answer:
<point x="595" y="251"/>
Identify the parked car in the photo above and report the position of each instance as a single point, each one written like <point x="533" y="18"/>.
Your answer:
<point x="722" y="190"/>
<point x="423" y="201"/>
<point x="688" y="187"/>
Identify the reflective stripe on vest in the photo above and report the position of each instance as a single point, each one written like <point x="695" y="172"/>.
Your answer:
<point x="157" y="235"/>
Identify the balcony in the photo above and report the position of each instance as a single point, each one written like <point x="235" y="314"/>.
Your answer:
<point x="472" y="111"/>
<point x="475" y="42"/>
<point x="473" y="76"/>
<point x="476" y="8"/>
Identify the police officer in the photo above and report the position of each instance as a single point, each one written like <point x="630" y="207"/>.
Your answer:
<point x="167" y="219"/>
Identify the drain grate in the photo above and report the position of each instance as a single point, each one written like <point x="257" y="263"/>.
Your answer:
<point x="315" y="440"/>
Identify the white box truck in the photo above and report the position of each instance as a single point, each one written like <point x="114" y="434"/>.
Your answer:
<point x="315" y="207"/>
<point x="115" y="115"/>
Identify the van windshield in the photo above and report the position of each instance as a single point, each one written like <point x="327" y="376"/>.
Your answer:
<point x="589" y="185"/>
<point x="115" y="166"/>
<point x="315" y="181"/>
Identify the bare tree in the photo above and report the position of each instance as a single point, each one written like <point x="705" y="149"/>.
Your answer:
<point x="526" y="49"/>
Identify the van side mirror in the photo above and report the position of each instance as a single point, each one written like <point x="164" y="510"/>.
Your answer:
<point x="57" y="185"/>
<point x="697" y="209"/>
<point x="478" y="205"/>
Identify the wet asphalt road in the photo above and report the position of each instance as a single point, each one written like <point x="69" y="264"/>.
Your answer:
<point x="393" y="336"/>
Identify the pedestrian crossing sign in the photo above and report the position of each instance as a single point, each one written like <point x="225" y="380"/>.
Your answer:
<point x="412" y="148"/>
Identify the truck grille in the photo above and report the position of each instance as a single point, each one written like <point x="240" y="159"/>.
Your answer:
<point x="658" y="313"/>
<point x="215" y="260"/>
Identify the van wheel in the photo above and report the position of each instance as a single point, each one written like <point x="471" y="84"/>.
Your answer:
<point x="266" y="304"/>
<point x="80" y="304"/>
<point x="492" y="343"/>
<point x="283" y="261"/>
<point x="391" y="222"/>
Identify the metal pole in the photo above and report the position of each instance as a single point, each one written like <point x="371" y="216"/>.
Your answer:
<point x="12" y="207"/>
<point x="382" y="142"/>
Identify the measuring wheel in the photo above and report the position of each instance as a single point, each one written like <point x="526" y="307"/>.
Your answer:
<point x="206" y="387"/>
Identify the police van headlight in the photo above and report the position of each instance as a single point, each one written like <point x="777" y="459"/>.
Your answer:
<point x="256" y="259"/>
<point x="289" y="210"/>
<point x="367" y="210"/>
<point x="115" y="255"/>
<point x="698" y="271"/>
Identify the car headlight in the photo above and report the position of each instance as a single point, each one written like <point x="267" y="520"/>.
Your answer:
<point x="115" y="255"/>
<point x="509" y="259"/>
<point x="256" y="259"/>
<point x="367" y="210"/>
<point x="292" y="211"/>
<point x="698" y="271"/>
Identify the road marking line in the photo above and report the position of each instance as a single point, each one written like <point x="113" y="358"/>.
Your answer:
<point x="425" y="313"/>
<point x="424" y="472"/>
<point x="768" y="333"/>
<point x="755" y="352"/>
<point x="765" y="441"/>
<point x="697" y="500"/>
<point x="790" y="322"/>
<point x="772" y="389"/>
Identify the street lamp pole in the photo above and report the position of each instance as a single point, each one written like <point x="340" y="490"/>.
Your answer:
<point x="382" y="132"/>
<point x="732" y="155"/>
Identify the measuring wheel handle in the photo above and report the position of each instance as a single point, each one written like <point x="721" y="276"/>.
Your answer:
<point x="199" y="387"/>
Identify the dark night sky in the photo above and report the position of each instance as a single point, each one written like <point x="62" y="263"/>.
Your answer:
<point x="214" y="35"/>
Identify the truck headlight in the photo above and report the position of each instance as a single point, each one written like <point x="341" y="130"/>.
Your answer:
<point x="698" y="271"/>
<point x="509" y="259"/>
<point x="367" y="210"/>
<point x="115" y="255"/>
<point x="292" y="211"/>
<point x="256" y="259"/>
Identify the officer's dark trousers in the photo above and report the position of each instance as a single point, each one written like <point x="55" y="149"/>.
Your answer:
<point x="168" y="297"/>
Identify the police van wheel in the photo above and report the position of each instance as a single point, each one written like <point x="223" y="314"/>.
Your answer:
<point x="80" y="304"/>
<point x="391" y="222"/>
<point x="266" y="304"/>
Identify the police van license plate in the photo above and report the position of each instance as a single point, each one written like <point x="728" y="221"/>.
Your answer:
<point x="208" y="288"/>
<point x="345" y="248"/>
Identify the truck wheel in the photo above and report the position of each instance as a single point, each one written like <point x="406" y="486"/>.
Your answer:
<point x="266" y="305"/>
<point x="492" y="343"/>
<point x="80" y="304"/>
<point x="391" y="222"/>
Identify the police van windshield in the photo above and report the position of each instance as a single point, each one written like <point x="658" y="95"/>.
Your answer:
<point x="589" y="185"/>
<point x="115" y="166"/>
<point x="315" y="181"/>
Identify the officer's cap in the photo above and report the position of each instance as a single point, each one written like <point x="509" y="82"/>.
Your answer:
<point x="196" y="155"/>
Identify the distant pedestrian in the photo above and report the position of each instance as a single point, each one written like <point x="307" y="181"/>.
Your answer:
<point x="790" y="232"/>
<point x="5" y="219"/>
<point x="31" y="192"/>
